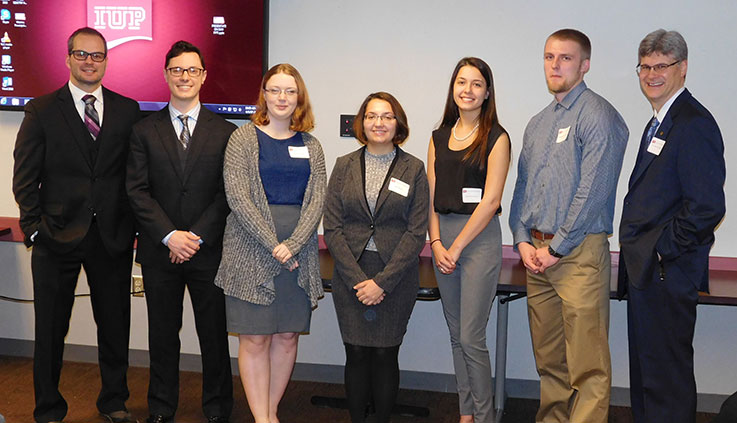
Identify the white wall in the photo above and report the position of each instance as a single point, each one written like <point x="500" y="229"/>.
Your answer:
<point x="347" y="49"/>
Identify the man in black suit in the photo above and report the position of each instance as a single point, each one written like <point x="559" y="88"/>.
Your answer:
<point x="175" y="185"/>
<point x="674" y="203"/>
<point x="69" y="182"/>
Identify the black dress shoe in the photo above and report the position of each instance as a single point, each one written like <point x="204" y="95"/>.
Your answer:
<point x="158" y="418"/>
<point x="217" y="419"/>
<point x="120" y="416"/>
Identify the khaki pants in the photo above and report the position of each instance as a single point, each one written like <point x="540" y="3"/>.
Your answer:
<point x="568" y="307"/>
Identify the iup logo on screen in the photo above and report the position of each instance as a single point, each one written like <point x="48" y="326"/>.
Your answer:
<point x="120" y="21"/>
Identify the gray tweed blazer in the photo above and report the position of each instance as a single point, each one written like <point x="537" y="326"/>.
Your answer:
<point x="398" y="225"/>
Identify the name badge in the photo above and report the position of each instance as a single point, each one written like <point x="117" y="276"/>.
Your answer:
<point x="401" y="188"/>
<point x="562" y="135"/>
<point x="298" y="152"/>
<point x="655" y="146"/>
<point x="471" y="195"/>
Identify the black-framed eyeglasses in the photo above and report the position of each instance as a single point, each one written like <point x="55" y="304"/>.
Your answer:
<point x="81" y="55"/>
<point x="659" y="68"/>
<point x="191" y="71"/>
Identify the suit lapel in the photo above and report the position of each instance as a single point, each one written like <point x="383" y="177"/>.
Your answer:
<point x="76" y="127"/>
<point x="356" y="173"/>
<point x="397" y="171"/>
<point x="644" y="159"/>
<point x="197" y="141"/>
<point x="168" y="139"/>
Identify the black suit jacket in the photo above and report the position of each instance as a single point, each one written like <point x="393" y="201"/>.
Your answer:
<point x="675" y="199"/>
<point x="398" y="225"/>
<point x="166" y="197"/>
<point x="58" y="183"/>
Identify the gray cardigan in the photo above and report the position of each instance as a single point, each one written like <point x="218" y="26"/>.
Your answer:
<point x="247" y="268"/>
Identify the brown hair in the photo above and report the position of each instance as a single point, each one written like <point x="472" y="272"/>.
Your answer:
<point x="402" y="131"/>
<point x="86" y="31"/>
<point x="487" y="119"/>
<point x="576" y="36"/>
<point x="302" y="118"/>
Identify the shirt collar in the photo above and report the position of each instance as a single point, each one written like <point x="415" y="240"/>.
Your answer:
<point x="571" y="97"/>
<point x="664" y="110"/>
<point x="78" y="93"/>
<point x="193" y="113"/>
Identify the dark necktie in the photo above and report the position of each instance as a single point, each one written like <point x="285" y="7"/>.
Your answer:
<point x="91" y="118"/>
<point x="649" y="136"/>
<point x="185" y="135"/>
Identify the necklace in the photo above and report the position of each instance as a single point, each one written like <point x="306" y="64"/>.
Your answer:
<point x="467" y="135"/>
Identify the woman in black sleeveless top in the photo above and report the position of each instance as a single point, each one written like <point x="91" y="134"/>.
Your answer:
<point x="467" y="165"/>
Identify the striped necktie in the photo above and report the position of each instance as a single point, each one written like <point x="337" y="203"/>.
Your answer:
<point x="91" y="118"/>
<point x="650" y="133"/>
<point x="185" y="135"/>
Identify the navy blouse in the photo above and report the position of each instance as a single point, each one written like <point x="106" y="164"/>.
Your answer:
<point x="283" y="176"/>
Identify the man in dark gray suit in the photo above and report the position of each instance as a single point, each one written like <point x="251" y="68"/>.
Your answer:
<point x="69" y="182"/>
<point x="175" y="185"/>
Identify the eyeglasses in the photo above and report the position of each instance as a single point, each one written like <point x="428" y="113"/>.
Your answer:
<point x="659" y="68"/>
<point x="81" y="55"/>
<point x="374" y="118"/>
<point x="289" y="92"/>
<point x="191" y="71"/>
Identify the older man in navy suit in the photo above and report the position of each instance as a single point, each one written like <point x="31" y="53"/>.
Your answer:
<point x="674" y="203"/>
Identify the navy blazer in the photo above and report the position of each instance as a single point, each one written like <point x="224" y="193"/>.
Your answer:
<point x="398" y="225"/>
<point x="675" y="199"/>
<point x="62" y="178"/>
<point x="166" y="197"/>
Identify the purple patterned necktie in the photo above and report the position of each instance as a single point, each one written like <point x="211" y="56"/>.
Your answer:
<point x="91" y="118"/>
<point x="185" y="135"/>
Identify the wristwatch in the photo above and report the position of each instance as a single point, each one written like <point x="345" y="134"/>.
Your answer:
<point x="553" y="253"/>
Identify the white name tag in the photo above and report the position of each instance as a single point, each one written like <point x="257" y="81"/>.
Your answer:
<point x="655" y="146"/>
<point x="471" y="195"/>
<point x="401" y="188"/>
<point x="298" y="152"/>
<point x="562" y="135"/>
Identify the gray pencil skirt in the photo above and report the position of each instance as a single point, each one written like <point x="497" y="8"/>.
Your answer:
<point x="290" y="311"/>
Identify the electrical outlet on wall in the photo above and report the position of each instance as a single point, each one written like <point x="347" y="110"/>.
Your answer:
<point x="138" y="286"/>
<point x="346" y="126"/>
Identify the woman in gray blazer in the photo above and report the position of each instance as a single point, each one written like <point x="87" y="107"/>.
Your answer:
<point x="375" y="221"/>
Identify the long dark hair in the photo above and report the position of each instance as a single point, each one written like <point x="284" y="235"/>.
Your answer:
<point x="487" y="119"/>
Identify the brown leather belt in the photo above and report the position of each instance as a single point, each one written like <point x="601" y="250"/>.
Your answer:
<point x="542" y="236"/>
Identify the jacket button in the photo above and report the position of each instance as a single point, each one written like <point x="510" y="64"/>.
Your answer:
<point x="371" y="226"/>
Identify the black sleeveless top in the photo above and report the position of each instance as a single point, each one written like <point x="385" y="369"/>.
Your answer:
<point x="452" y="173"/>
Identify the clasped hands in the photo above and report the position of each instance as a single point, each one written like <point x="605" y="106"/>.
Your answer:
<point x="536" y="260"/>
<point x="369" y="292"/>
<point x="445" y="260"/>
<point x="283" y="255"/>
<point x="182" y="246"/>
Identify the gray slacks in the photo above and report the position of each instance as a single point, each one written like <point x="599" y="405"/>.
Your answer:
<point x="467" y="295"/>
